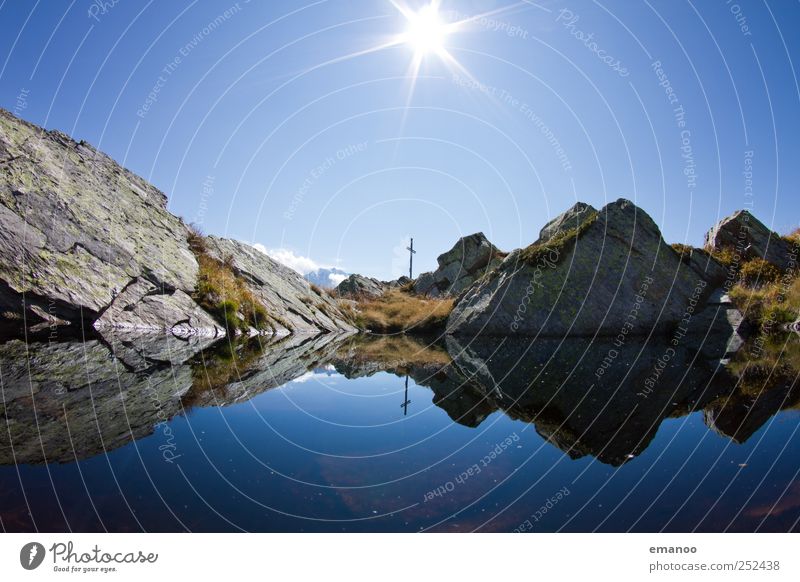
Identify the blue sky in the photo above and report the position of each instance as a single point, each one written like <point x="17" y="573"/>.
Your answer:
<point x="257" y="128"/>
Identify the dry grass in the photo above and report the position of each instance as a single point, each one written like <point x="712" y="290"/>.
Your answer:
<point x="220" y="292"/>
<point x="770" y="305"/>
<point x="224" y="295"/>
<point x="684" y="251"/>
<point x="196" y="240"/>
<point x="725" y="256"/>
<point x="398" y="350"/>
<point x="793" y="238"/>
<point x="758" y="271"/>
<point x="767" y="296"/>
<point x="396" y="311"/>
<point x="562" y="243"/>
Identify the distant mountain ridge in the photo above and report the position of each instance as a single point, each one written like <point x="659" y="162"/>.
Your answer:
<point x="327" y="277"/>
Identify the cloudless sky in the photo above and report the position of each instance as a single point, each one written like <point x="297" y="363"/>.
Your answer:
<point x="261" y="131"/>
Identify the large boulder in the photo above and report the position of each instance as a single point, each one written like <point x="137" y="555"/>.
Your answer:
<point x="360" y="287"/>
<point x="611" y="274"/>
<point x="748" y="237"/>
<point x="140" y="307"/>
<point x="83" y="240"/>
<point x="470" y="258"/>
<point x="76" y="228"/>
<point x="566" y="221"/>
<point x="289" y="299"/>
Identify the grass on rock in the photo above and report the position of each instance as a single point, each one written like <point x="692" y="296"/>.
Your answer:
<point x="562" y="243"/>
<point x="222" y="293"/>
<point x="767" y="296"/>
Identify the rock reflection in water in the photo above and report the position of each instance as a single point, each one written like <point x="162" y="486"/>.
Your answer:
<point x="577" y="397"/>
<point x="70" y="401"/>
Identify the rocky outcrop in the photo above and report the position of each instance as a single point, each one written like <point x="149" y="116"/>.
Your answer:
<point x="140" y="307"/>
<point x="76" y="228"/>
<point x="567" y="220"/>
<point x="609" y="274"/>
<point x="470" y="258"/>
<point x="361" y="287"/>
<point x="85" y="241"/>
<point x="288" y="297"/>
<point x="748" y="237"/>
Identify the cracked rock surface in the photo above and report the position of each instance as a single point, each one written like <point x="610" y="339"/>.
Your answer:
<point x="83" y="240"/>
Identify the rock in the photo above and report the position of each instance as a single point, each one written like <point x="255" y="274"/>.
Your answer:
<point x="470" y="258"/>
<point x="75" y="226"/>
<point x="360" y="287"/>
<point x="287" y="296"/>
<point x="142" y="307"/>
<point x="397" y="283"/>
<point x="746" y="235"/>
<point x="612" y="275"/>
<point x="85" y="241"/>
<point x="569" y="219"/>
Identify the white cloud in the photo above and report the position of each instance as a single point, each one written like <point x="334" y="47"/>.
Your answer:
<point x="316" y="375"/>
<point x="299" y="263"/>
<point x="336" y="278"/>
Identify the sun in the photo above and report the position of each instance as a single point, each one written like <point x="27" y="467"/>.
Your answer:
<point x="426" y="32"/>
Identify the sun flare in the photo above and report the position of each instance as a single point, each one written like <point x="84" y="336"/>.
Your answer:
<point x="426" y="32"/>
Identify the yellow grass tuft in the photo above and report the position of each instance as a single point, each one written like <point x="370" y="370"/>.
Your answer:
<point x="395" y="311"/>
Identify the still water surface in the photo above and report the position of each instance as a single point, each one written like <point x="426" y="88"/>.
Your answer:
<point x="354" y="434"/>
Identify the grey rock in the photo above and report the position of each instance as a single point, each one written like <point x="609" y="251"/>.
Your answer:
<point x="361" y="287"/>
<point x="287" y="296"/>
<point x="84" y="240"/>
<point x="565" y="221"/>
<point x="74" y="226"/>
<point x="470" y="258"/>
<point x="142" y="307"/>
<point x="749" y="237"/>
<point x="397" y="283"/>
<point x="616" y="275"/>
